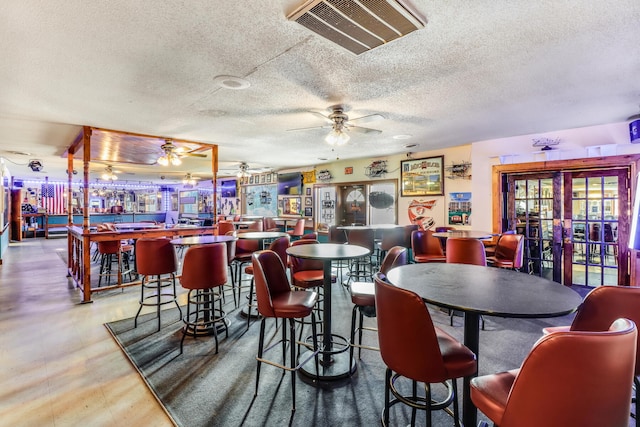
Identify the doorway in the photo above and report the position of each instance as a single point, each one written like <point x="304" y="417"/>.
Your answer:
<point x="575" y="221"/>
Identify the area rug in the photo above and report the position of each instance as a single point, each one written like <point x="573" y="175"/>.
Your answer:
<point x="201" y="388"/>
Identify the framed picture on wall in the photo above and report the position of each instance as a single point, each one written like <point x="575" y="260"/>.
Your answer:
<point x="308" y="191"/>
<point x="422" y="177"/>
<point x="308" y="211"/>
<point x="307" y="201"/>
<point x="269" y="178"/>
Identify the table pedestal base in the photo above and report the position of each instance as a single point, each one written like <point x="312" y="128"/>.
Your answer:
<point x="334" y="363"/>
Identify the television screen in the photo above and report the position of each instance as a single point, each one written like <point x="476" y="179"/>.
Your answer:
<point x="227" y="188"/>
<point x="289" y="183"/>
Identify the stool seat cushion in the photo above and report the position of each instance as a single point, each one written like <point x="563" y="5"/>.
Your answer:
<point x="363" y="294"/>
<point x="494" y="394"/>
<point x="429" y="258"/>
<point x="308" y="278"/>
<point x="248" y="269"/>
<point x="294" y="304"/>
<point x="459" y="361"/>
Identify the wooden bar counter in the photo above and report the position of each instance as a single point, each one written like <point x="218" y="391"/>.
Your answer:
<point x="79" y="251"/>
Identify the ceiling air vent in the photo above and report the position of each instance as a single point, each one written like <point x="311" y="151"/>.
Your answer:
<point x="358" y="25"/>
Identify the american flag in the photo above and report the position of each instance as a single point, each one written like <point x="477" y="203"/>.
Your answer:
<point x="53" y="198"/>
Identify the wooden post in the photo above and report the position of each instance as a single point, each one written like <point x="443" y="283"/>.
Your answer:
<point x="214" y="168"/>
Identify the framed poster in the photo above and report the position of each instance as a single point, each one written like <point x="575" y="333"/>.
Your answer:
<point x="308" y="211"/>
<point x="422" y="177"/>
<point x="308" y="201"/>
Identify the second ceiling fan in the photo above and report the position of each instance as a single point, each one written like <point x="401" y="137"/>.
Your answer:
<point x="340" y="125"/>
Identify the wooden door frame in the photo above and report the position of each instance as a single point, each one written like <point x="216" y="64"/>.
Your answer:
<point x="631" y="161"/>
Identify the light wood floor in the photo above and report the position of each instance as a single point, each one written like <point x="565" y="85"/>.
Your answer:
<point x="58" y="364"/>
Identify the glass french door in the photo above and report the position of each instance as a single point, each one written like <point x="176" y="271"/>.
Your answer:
<point x="575" y="224"/>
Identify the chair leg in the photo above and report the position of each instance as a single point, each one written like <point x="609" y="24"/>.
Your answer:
<point x="414" y="394"/>
<point x="135" y="320"/>
<point x="353" y="330"/>
<point x="456" y="413"/>
<point x="186" y="323"/>
<point x="292" y="334"/>
<point x="260" y="349"/>
<point x="314" y="331"/>
<point x="250" y="303"/>
<point x="387" y="381"/>
<point x="360" y="334"/>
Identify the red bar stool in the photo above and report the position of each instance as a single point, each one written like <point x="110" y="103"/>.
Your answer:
<point x="413" y="348"/>
<point x="277" y="300"/>
<point x="594" y="391"/>
<point x="114" y="251"/>
<point x="298" y="229"/>
<point x="204" y="272"/>
<point x="363" y="296"/>
<point x="426" y="247"/>
<point x="156" y="257"/>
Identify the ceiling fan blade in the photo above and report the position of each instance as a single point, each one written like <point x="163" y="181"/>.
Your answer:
<point x="311" y="128"/>
<point x="360" y="129"/>
<point x="368" y="118"/>
<point x="319" y="114"/>
<point x="191" y="154"/>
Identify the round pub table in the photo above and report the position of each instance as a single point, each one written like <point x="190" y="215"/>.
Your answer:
<point x="335" y="363"/>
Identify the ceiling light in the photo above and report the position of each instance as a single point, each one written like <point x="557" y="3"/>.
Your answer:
<point x="108" y="174"/>
<point x="188" y="180"/>
<point x="169" y="156"/>
<point x="231" y="82"/>
<point x="337" y="136"/>
<point x="402" y="136"/>
<point x="243" y="172"/>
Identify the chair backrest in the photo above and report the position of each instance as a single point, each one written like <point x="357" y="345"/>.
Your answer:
<point x="224" y="227"/>
<point x="303" y="264"/>
<point x="298" y="229"/>
<point x="556" y="383"/>
<point x="392" y="237"/>
<point x="465" y="251"/>
<point x="336" y="236"/>
<point x="364" y="237"/>
<point x="237" y="217"/>
<point x="279" y="246"/>
<point x="270" y="280"/>
<point x="424" y="243"/>
<point x="605" y="304"/>
<point x="408" y="233"/>
<point x="255" y="226"/>
<point x="395" y="257"/>
<point x="204" y="266"/>
<point x="511" y="247"/>
<point x="309" y="236"/>
<point x="408" y="343"/>
<point x="109" y="246"/>
<point x="269" y="224"/>
<point x="155" y="256"/>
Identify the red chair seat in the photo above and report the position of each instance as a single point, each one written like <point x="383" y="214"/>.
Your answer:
<point x="428" y="258"/>
<point x="459" y="361"/>
<point x="294" y="304"/>
<point x="493" y="394"/>
<point x="308" y="278"/>
<point x="363" y="294"/>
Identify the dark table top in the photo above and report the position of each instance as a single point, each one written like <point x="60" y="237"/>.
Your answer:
<point x="259" y="235"/>
<point x="486" y="290"/>
<point x="327" y="251"/>
<point x="371" y="226"/>
<point x="202" y="240"/>
<point x="469" y="234"/>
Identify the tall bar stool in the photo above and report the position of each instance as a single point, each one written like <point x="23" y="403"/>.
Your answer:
<point x="279" y="246"/>
<point x="338" y="236"/>
<point x="298" y="229"/>
<point x="426" y="247"/>
<point x="363" y="297"/>
<point x="414" y="348"/>
<point x="408" y="231"/>
<point x="114" y="252"/>
<point x="277" y="300"/>
<point x="156" y="258"/>
<point x="204" y="272"/>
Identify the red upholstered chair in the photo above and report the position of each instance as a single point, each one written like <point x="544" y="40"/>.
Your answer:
<point x="307" y="274"/>
<point x="277" y="300"/>
<point x="298" y="229"/>
<point x="269" y="224"/>
<point x="114" y="251"/>
<point x="310" y="236"/>
<point x="568" y="379"/>
<point x="465" y="251"/>
<point x="509" y="252"/>
<point x="156" y="257"/>
<point x="363" y="296"/>
<point x="600" y="308"/>
<point x="244" y="249"/>
<point x="408" y="231"/>
<point x="231" y="257"/>
<point x="255" y="226"/>
<point x="426" y="248"/>
<point x="443" y="240"/>
<point x="225" y="227"/>
<point x="490" y="244"/>
<point x="412" y="347"/>
<point x="336" y="236"/>
<point x="204" y="272"/>
<point x="279" y="246"/>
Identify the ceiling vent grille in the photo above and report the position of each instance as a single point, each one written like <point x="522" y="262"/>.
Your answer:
<point x="358" y="25"/>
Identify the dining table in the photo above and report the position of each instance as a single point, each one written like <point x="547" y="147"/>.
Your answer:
<point x="262" y="236"/>
<point x="335" y="360"/>
<point x="286" y="220"/>
<point x="465" y="234"/>
<point x="484" y="291"/>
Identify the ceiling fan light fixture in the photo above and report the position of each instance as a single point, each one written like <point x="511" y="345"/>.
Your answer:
<point x="163" y="160"/>
<point x="188" y="180"/>
<point x="108" y="174"/>
<point x="243" y="172"/>
<point x="337" y="137"/>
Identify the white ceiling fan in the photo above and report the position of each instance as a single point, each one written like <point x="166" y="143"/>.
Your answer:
<point x="172" y="154"/>
<point x="340" y="125"/>
<point x="241" y="170"/>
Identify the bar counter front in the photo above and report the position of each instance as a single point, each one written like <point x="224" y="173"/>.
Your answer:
<point x="79" y="243"/>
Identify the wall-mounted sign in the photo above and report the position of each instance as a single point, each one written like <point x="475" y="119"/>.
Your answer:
<point x="376" y="169"/>
<point x="324" y="175"/>
<point x="348" y="170"/>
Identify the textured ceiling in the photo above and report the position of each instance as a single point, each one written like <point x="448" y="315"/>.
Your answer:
<point x="478" y="70"/>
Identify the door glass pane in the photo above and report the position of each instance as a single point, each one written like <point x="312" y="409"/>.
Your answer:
<point x="546" y="188"/>
<point x="532" y="189"/>
<point x="521" y="189"/>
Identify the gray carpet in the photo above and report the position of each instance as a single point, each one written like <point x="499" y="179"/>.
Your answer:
<point x="200" y="388"/>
